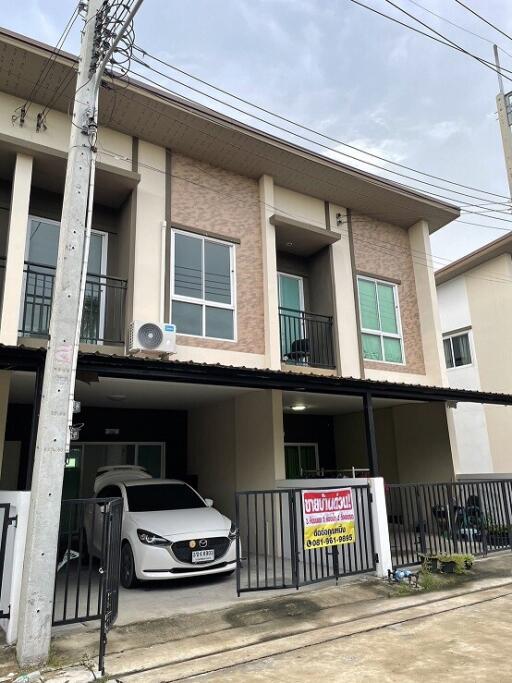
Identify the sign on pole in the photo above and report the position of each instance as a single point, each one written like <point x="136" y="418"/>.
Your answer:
<point x="328" y="517"/>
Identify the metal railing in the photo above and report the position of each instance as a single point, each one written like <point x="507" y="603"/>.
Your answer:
<point x="271" y="533"/>
<point x="103" y="309"/>
<point x="306" y="338"/>
<point x="461" y="517"/>
<point x="88" y="564"/>
<point x="349" y="472"/>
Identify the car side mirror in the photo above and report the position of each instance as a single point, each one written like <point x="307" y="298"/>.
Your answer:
<point x="209" y="502"/>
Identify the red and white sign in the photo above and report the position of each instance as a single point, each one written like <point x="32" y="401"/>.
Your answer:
<point x="328" y="517"/>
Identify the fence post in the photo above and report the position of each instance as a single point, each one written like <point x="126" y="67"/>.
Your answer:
<point x="294" y="547"/>
<point x="421" y="519"/>
<point x="506" y="503"/>
<point x="379" y="515"/>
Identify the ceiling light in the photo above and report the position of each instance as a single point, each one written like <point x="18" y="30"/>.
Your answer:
<point x="116" y="397"/>
<point x="298" y="407"/>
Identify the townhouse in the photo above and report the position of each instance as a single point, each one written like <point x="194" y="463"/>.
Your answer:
<point x="475" y="295"/>
<point x="307" y="325"/>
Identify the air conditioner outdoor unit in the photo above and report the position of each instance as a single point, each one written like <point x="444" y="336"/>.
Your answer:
<point x="151" y="337"/>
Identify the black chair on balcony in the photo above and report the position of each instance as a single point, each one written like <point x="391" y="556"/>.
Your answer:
<point x="299" y="352"/>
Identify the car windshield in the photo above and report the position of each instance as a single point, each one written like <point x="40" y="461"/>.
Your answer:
<point x="154" y="497"/>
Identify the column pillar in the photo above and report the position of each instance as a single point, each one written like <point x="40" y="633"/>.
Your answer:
<point x="347" y="341"/>
<point x="426" y="293"/>
<point x="16" y="244"/>
<point x="369" y="431"/>
<point x="271" y="297"/>
<point x="378" y="511"/>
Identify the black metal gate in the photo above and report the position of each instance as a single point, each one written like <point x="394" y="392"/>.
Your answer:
<point x="88" y="564"/>
<point x="457" y="517"/>
<point x="271" y="552"/>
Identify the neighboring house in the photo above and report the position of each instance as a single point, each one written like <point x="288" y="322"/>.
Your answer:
<point x="302" y="292"/>
<point x="475" y="305"/>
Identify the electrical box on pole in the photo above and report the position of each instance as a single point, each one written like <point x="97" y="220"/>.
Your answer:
<point x="37" y="589"/>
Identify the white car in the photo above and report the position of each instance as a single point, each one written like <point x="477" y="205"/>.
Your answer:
<point x="169" y="531"/>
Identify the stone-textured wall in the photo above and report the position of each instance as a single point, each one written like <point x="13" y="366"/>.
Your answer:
<point x="212" y="199"/>
<point x="383" y="250"/>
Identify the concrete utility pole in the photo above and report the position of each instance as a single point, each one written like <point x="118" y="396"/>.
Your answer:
<point x="36" y="602"/>
<point x="503" y="101"/>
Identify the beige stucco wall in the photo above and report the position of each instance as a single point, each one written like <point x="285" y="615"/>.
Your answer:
<point x="56" y="135"/>
<point x="211" y="452"/>
<point x="299" y="206"/>
<point x="423" y="450"/>
<point x="212" y="199"/>
<point x="490" y="303"/>
<point x="412" y="441"/>
<point x="383" y="250"/>
<point x="237" y="444"/>
<point x="350" y="442"/>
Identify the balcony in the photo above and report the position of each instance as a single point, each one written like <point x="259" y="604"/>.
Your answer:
<point x="103" y="309"/>
<point x="306" y="338"/>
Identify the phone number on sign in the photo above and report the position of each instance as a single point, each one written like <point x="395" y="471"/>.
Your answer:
<point x="334" y="539"/>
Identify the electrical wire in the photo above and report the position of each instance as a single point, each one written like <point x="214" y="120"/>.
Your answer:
<point x="441" y="35"/>
<point x="47" y="68"/>
<point x="307" y="128"/>
<point x="389" y="248"/>
<point x="431" y="194"/>
<point x="483" y="19"/>
<point x="462" y="28"/>
<point x="449" y="44"/>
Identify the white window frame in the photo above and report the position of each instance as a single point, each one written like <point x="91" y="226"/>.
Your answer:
<point x="204" y="302"/>
<point x="299" y="444"/>
<point x="451" y="336"/>
<point x="380" y="333"/>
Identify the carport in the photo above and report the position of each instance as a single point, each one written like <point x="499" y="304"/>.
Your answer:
<point x="225" y="429"/>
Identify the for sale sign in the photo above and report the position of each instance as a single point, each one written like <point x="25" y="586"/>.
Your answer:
<point x="328" y="517"/>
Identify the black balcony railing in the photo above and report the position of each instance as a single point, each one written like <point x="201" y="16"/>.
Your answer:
<point x="103" y="310"/>
<point x="306" y="338"/>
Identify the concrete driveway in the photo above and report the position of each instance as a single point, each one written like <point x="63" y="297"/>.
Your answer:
<point x="468" y="644"/>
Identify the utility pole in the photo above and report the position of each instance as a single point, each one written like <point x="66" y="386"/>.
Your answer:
<point x="36" y="601"/>
<point x="503" y="101"/>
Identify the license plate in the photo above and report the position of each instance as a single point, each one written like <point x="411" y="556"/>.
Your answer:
<point x="203" y="555"/>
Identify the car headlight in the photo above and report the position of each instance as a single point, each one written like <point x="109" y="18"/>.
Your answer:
<point x="232" y="532"/>
<point x="148" y="538"/>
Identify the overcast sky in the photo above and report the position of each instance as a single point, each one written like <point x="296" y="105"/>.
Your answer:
<point x="341" y="70"/>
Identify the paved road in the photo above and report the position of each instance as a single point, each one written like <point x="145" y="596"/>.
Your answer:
<point x="470" y="644"/>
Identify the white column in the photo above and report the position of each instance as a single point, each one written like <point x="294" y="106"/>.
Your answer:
<point x="345" y="314"/>
<point x="16" y="243"/>
<point x="426" y="293"/>
<point x="271" y="298"/>
<point x="147" y="286"/>
<point x="379" y="515"/>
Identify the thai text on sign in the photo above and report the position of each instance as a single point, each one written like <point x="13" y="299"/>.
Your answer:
<point x="328" y="517"/>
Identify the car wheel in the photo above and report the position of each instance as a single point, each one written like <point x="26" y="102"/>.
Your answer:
<point x="128" y="576"/>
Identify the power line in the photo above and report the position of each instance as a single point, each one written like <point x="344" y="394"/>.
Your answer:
<point x="422" y="258"/>
<point x="462" y="28"/>
<point x="431" y="195"/>
<point x="449" y="44"/>
<point x="441" y="35"/>
<point x="47" y="68"/>
<point x="483" y="19"/>
<point x="307" y="128"/>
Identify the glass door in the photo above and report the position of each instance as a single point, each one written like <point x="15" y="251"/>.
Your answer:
<point x="41" y="261"/>
<point x="291" y="317"/>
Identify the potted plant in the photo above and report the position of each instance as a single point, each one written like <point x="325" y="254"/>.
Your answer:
<point x="498" y="535"/>
<point x="430" y="563"/>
